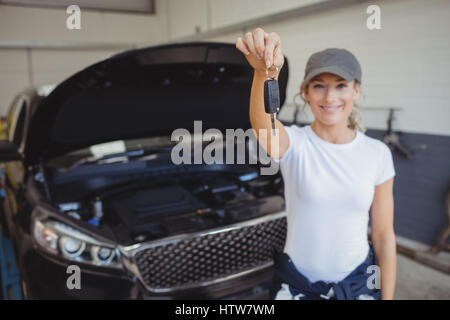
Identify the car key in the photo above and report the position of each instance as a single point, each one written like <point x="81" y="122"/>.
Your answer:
<point x="272" y="99"/>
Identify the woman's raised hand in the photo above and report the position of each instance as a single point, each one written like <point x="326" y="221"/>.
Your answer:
<point x="262" y="50"/>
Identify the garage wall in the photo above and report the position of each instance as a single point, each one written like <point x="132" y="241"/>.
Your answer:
<point x="196" y="16"/>
<point x="404" y="64"/>
<point x="13" y="75"/>
<point x="185" y="18"/>
<point x="222" y="16"/>
<point x="37" y="48"/>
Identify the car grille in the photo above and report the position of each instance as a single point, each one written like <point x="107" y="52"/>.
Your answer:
<point x="210" y="257"/>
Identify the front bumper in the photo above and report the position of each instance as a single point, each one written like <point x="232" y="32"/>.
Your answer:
<point x="45" y="277"/>
<point x="232" y="262"/>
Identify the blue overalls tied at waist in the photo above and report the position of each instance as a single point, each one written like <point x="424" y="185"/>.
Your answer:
<point x="351" y="287"/>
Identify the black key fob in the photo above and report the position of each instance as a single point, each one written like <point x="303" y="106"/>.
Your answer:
<point x="271" y="96"/>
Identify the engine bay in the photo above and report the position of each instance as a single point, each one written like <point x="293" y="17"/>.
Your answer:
<point x="143" y="203"/>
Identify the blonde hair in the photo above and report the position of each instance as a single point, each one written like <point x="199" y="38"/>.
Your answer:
<point x="354" y="121"/>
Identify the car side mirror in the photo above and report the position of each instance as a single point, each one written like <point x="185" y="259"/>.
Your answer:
<point x="9" y="151"/>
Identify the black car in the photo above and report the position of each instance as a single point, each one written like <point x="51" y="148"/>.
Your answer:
<point x="89" y="182"/>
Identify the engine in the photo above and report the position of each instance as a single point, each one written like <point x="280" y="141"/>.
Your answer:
<point x="144" y="209"/>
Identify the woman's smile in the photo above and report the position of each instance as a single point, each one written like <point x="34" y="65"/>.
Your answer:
<point x="331" y="109"/>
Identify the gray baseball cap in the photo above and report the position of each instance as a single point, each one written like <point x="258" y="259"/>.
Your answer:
<point x="340" y="62"/>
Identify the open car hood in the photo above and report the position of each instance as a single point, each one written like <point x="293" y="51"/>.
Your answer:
<point x="143" y="93"/>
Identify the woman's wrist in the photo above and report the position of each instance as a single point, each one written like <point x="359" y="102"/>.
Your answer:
<point x="261" y="75"/>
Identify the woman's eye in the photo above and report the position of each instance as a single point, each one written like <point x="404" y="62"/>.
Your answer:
<point x="342" y="85"/>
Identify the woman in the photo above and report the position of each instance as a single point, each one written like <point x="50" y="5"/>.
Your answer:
<point x="333" y="174"/>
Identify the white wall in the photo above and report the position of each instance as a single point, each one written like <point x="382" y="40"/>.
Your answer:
<point x="404" y="64"/>
<point x="49" y="25"/>
<point x="225" y="12"/>
<point x="20" y="67"/>
<point x="185" y="17"/>
<point x="109" y="32"/>
<point x="14" y="75"/>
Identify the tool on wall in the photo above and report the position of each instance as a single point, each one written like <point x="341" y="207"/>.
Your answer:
<point x="392" y="138"/>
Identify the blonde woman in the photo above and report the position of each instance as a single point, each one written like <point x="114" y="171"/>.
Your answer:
<point x="335" y="177"/>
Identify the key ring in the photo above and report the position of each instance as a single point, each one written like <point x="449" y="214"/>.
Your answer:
<point x="267" y="73"/>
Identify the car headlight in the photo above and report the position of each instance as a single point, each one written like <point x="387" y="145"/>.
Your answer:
<point x="60" y="239"/>
<point x="46" y="237"/>
<point x="71" y="247"/>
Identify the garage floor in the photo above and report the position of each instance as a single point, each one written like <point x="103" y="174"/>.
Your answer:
<point x="418" y="281"/>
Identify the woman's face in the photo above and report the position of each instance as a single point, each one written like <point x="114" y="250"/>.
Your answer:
<point x="329" y="90"/>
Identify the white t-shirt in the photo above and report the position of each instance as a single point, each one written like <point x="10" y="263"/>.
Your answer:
<point x="329" y="189"/>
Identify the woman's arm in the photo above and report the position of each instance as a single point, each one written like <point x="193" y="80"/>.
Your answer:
<point x="263" y="51"/>
<point x="383" y="237"/>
